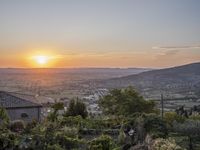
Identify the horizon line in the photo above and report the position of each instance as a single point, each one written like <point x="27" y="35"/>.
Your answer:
<point x="76" y="68"/>
<point x="100" y="67"/>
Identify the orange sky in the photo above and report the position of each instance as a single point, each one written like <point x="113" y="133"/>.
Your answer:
<point x="107" y="59"/>
<point x="128" y="33"/>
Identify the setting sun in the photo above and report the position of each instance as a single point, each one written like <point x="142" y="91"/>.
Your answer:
<point x="45" y="59"/>
<point x="41" y="60"/>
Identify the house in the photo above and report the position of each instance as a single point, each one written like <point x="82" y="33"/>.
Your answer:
<point x="20" y="107"/>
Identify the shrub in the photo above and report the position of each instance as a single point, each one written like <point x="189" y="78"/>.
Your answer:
<point x="190" y="128"/>
<point x="54" y="147"/>
<point x="70" y="132"/>
<point x="4" y="119"/>
<point x="121" y="137"/>
<point x="170" y="117"/>
<point x="194" y="117"/>
<point x="165" y="144"/>
<point x="53" y="116"/>
<point x="17" y="126"/>
<point x="155" y="125"/>
<point x="7" y="139"/>
<point x="103" y="142"/>
<point x="77" y="108"/>
<point x="67" y="142"/>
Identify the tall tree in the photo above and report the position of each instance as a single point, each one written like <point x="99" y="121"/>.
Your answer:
<point x="125" y="102"/>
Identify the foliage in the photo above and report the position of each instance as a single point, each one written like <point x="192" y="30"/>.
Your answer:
<point x="69" y="131"/>
<point x="170" y="117"/>
<point x="54" y="147"/>
<point x="121" y="137"/>
<point x="189" y="127"/>
<point x="155" y="125"/>
<point x="8" y="139"/>
<point x="165" y="144"/>
<point x="76" y="108"/>
<point x="4" y="119"/>
<point x="91" y="123"/>
<point x="103" y="142"/>
<point x="67" y="142"/>
<point x="30" y="126"/>
<point x="53" y="116"/>
<point x="17" y="125"/>
<point x="129" y="123"/>
<point x="194" y="117"/>
<point x="125" y="102"/>
<point x="58" y="106"/>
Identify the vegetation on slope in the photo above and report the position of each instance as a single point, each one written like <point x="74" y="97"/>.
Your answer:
<point x="128" y="122"/>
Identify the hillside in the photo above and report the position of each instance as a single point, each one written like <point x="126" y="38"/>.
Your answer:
<point x="177" y="81"/>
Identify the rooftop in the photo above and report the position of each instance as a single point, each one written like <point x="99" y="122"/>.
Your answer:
<point x="13" y="100"/>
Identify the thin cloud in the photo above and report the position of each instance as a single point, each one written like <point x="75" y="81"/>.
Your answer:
<point x="176" y="47"/>
<point x="171" y="52"/>
<point x="168" y="53"/>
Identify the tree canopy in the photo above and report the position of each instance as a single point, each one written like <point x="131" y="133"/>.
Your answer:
<point x="76" y="108"/>
<point x="125" y="102"/>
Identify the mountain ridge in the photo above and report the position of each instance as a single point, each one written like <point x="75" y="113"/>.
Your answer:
<point x="175" y="80"/>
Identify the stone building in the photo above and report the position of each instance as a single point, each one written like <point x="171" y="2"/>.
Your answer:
<point x="20" y="107"/>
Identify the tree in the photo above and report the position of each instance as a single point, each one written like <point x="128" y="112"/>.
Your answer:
<point x="125" y="102"/>
<point x="76" y="108"/>
<point x="4" y="119"/>
<point x="53" y="116"/>
<point x="190" y="128"/>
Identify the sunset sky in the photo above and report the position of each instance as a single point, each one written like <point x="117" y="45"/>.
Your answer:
<point x="99" y="33"/>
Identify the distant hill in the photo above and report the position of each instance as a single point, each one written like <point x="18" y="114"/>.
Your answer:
<point x="179" y="81"/>
<point x="58" y="82"/>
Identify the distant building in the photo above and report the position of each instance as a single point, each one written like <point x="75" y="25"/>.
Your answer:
<point x="20" y="107"/>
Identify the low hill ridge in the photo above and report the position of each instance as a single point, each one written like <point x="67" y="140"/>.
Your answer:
<point x="176" y="80"/>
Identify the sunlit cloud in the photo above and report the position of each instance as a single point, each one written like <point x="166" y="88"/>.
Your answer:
<point x="168" y="53"/>
<point x="176" y="47"/>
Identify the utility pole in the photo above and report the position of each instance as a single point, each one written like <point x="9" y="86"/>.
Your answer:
<point x="162" y="106"/>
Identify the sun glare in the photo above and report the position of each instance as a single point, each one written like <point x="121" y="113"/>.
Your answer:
<point x="44" y="59"/>
<point x="41" y="60"/>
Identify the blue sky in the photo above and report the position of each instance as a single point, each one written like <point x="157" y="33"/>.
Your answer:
<point x="101" y="33"/>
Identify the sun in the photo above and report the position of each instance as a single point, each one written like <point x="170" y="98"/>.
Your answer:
<point x="41" y="59"/>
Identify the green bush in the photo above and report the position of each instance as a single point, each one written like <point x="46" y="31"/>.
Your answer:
<point x="165" y="144"/>
<point x="155" y="125"/>
<point x="17" y="125"/>
<point x="54" y="147"/>
<point x="8" y="139"/>
<point x="170" y="117"/>
<point x="4" y="119"/>
<point x="77" y="108"/>
<point x="103" y="142"/>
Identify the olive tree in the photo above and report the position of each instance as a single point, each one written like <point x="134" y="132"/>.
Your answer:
<point x="125" y="102"/>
